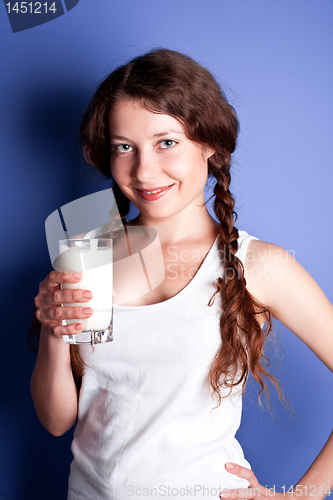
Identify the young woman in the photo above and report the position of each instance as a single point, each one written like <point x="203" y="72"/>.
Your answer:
<point x="158" y="408"/>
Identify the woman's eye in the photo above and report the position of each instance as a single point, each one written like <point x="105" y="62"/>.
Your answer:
<point x="122" y="148"/>
<point x="167" y="143"/>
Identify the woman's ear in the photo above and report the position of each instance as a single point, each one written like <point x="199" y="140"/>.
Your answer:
<point x="208" y="152"/>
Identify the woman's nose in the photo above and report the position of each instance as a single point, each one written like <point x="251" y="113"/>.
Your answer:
<point x="146" y="167"/>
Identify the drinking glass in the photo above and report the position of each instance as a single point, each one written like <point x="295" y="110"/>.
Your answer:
<point x="92" y="258"/>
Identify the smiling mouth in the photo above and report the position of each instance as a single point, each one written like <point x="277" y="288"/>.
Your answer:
<point x="156" y="190"/>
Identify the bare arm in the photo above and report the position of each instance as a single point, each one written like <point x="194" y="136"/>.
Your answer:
<point x="320" y="473"/>
<point x="292" y="296"/>
<point x="275" y="279"/>
<point x="52" y="384"/>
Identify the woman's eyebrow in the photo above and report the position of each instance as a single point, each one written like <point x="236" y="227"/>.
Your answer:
<point x="159" y="134"/>
<point x="120" y="137"/>
<point x="171" y="131"/>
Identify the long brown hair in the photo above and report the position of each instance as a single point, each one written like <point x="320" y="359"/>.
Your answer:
<point x="172" y="83"/>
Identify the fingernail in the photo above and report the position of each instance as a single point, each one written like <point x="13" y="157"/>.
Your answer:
<point x="230" y="466"/>
<point x="225" y="495"/>
<point x="77" y="276"/>
<point x="78" y="326"/>
<point x="87" y="295"/>
<point x="87" y="310"/>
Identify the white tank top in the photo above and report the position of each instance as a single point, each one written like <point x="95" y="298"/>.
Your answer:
<point x="146" y="424"/>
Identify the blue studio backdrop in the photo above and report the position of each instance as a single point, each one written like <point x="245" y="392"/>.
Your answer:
<point x="274" y="61"/>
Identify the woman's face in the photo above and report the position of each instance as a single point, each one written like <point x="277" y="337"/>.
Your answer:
<point x="150" y="152"/>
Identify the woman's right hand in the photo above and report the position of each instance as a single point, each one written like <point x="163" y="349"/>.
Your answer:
<point x="50" y="298"/>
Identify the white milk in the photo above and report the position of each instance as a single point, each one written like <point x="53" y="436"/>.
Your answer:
<point x="96" y="267"/>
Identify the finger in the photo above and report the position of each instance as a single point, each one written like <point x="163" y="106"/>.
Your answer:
<point x="67" y="295"/>
<point x="242" y="472"/>
<point x="55" y="277"/>
<point x="59" y="313"/>
<point x="47" y="302"/>
<point x="57" y="330"/>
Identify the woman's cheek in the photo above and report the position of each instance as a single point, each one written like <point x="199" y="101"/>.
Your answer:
<point x="116" y="171"/>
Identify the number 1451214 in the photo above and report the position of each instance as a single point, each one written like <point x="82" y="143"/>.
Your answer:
<point x="31" y="7"/>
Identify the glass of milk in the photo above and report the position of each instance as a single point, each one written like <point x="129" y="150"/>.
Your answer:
<point x="92" y="258"/>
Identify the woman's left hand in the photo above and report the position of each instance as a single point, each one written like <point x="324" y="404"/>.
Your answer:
<point x="254" y="490"/>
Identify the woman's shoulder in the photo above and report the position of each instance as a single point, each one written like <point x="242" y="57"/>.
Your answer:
<point x="266" y="266"/>
<point x="254" y="252"/>
<point x="262" y="253"/>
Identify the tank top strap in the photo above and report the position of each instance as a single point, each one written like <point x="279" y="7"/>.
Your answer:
<point x="243" y="242"/>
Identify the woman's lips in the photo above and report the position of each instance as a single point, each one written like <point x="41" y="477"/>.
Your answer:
<point x="149" y="196"/>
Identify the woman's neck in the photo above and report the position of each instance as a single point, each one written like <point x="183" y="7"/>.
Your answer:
<point x="181" y="228"/>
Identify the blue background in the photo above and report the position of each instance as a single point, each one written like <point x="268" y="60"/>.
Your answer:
<point x="274" y="59"/>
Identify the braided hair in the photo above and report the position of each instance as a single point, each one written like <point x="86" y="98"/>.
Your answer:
<point x="168" y="82"/>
